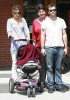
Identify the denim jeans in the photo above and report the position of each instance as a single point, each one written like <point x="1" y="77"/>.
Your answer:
<point x="54" y="57"/>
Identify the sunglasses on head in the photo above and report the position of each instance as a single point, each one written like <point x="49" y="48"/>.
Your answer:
<point x="17" y="13"/>
<point x="52" y="10"/>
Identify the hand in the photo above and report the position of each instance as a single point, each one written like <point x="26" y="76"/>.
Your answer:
<point x="27" y="39"/>
<point x="65" y="51"/>
<point x="34" y="42"/>
<point x="16" y="38"/>
<point x="43" y="51"/>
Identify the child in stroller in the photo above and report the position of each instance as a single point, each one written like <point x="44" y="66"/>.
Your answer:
<point x="28" y="65"/>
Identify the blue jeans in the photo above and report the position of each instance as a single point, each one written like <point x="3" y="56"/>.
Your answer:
<point x="54" y="57"/>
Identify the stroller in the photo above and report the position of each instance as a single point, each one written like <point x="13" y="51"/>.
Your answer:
<point x="28" y="66"/>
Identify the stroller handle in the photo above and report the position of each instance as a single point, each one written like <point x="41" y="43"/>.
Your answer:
<point x="31" y="40"/>
<point x="20" y="40"/>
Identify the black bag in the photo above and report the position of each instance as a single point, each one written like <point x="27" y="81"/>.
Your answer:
<point x="65" y="67"/>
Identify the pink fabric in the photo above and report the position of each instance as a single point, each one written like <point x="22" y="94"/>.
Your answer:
<point x="36" y="32"/>
<point x="29" y="52"/>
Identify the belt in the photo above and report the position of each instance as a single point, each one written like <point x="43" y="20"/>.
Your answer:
<point x="57" y="47"/>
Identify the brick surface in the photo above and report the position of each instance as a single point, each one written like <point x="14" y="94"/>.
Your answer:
<point x="5" y="13"/>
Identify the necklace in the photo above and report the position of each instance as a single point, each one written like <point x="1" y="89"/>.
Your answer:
<point x="54" y="22"/>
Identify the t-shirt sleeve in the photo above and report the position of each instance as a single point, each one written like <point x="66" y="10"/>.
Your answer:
<point x="9" y="31"/>
<point x="26" y="29"/>
<point x="43" y="25"/>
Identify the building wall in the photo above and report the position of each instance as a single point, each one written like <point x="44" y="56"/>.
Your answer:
<point x="5" y="13"/>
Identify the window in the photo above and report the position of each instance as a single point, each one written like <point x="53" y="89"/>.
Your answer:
<point x="30" y="10"/>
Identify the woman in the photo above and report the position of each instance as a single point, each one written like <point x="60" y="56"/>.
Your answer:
<point x="17" y="30"/>
<point x="36" y="36"/>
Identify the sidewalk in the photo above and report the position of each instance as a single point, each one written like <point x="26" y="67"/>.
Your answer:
<point x="6" y="75"/>
<point x="5" y="95"/>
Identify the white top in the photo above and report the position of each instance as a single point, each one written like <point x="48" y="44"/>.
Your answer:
<point x="53" y="31"/>
<point x="18" y="29"/>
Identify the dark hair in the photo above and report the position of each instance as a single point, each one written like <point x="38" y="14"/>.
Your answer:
<point x="40" y="6"/>
<point x="51" y="5"/>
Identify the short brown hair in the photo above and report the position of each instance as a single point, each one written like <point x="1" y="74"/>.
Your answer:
<point x="40" y="6"/>
<point x="51" y="5"/>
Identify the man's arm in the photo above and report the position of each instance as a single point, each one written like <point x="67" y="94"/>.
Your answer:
<point x="65" y="41"/>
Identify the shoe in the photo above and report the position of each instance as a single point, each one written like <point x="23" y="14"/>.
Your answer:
<point x="51" y="90"/>
<point x="62" y="88"/>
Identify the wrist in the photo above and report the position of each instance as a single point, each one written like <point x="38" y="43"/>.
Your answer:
<point x="66" y="47"/>
<point x="34" y="41"/>
<point x="42" y="47"/>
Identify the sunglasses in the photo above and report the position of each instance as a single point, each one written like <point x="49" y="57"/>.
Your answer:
<point x="17" y="13"/>
<point x="52" y="10"/>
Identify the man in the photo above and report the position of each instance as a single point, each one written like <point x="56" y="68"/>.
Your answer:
<point x="55" y="47"/>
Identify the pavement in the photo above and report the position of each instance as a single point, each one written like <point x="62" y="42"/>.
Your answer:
<point x="5" y="75"/>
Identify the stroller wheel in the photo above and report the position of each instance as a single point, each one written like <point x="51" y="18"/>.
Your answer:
<point x="11" y="85"/>
<point x="33" y="92"/>
<point x="28" y="92"/>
